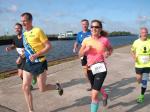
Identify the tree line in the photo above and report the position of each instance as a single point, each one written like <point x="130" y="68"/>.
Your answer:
<point x="120" y="33"/>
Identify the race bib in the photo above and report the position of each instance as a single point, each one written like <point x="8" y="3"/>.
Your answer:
<point x="19" y="50"/>
<point x="98" y="68"/>
<point x="144" y="59"/>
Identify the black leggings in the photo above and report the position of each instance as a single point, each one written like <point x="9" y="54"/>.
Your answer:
<point x="97" y="79"/>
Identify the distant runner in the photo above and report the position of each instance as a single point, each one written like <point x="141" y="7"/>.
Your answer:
<point x="140" y="51"/>
<point x="18" y="45"/>
<point x="80" y="37"/>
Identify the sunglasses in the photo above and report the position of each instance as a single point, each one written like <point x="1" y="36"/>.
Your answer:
<point x="95" y="27"/>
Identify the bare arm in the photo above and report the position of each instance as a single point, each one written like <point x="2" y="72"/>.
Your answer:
<point x="10" y="47"/>
<point x="45" y="50"/>
<point x="83" y="50"/>
<point x="75" y="47"/>
<point x="133" y="55"/>
<point x="42" y="52"/>
<point x="108" y="51"/>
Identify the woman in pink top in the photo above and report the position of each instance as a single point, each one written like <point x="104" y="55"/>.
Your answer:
<point x="96" y="48"/>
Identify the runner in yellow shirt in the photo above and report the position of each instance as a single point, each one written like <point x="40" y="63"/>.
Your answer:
<point x="36" y="45"/>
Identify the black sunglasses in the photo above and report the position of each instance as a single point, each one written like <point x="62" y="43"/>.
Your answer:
<point x="95" y="27"/>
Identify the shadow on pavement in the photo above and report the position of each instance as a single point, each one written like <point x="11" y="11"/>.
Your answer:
<point x="74" y="82"/>
<point x="118" y="88"/>
<point x="136" y="106"/>
<point x="6" y="109"/>
<point x="79" y="102"/>
<point x="69" y="84"/>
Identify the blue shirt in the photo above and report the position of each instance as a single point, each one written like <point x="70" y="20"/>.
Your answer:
<point x="81" y="35"/>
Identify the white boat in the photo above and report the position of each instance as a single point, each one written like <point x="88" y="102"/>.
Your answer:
<point x="66" y="36"/>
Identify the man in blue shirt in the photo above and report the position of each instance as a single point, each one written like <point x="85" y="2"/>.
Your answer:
<point x="80" y="37"/>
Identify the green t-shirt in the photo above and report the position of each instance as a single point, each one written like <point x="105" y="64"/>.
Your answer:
<point x="142" y="52"/>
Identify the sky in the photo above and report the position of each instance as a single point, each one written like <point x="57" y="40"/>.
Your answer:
<point x="58" y="16"/>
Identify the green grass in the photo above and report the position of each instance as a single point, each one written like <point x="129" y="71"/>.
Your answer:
<point x="5" y="75"/>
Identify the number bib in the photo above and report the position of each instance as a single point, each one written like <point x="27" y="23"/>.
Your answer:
<point x="98" y="68"/>
<point x="19" y="50"/>
<point x="144" y="59"/>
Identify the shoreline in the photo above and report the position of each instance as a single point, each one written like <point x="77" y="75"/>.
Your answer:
<point x="54" y="38"/>
<point x="13" y="72"/>
<point x="9" y="41"/>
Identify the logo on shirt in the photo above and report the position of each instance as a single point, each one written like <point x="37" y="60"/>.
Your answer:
<point x="144" y="50"/>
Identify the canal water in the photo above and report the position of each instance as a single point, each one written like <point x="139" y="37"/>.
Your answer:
<point x="60" y="49"/>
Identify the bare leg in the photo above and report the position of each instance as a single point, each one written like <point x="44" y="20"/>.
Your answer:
<point x="41" y="79"/>
<point x="20" y="73"/>
<point x="95" y="101"/>
<point x="27" y="78"/>
<point x="139" y="78"/>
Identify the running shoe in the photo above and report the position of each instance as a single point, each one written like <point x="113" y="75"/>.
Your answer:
<point x="34" y="80"/>
<point x="59" y="88"/>
<point x="140" y="99"/>
<point x="31" y="87"/>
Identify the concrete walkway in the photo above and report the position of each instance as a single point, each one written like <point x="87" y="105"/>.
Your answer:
<point x="120" y="80"/>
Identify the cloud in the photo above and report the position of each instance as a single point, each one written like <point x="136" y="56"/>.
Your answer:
<point x="143" y="20"/>
<point x="60" y="14"/>
<point x="11" y="9"/>
<point x="51" y="26"/>
<point x="110" y="26"/>
<point x="65" y="14"/>
<point x="59" y="22"/>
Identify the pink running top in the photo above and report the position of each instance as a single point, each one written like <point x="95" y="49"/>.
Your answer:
<point x="98" y="47"/>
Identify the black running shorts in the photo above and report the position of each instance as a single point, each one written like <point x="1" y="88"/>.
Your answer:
<point x="142" y="70"/>
<point x="21" y="65"/>
<point x="36" y="68"/>
<point x="97" y="79"/>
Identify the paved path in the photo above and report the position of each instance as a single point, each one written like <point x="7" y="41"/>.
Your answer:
<point x="120" y="80"/>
